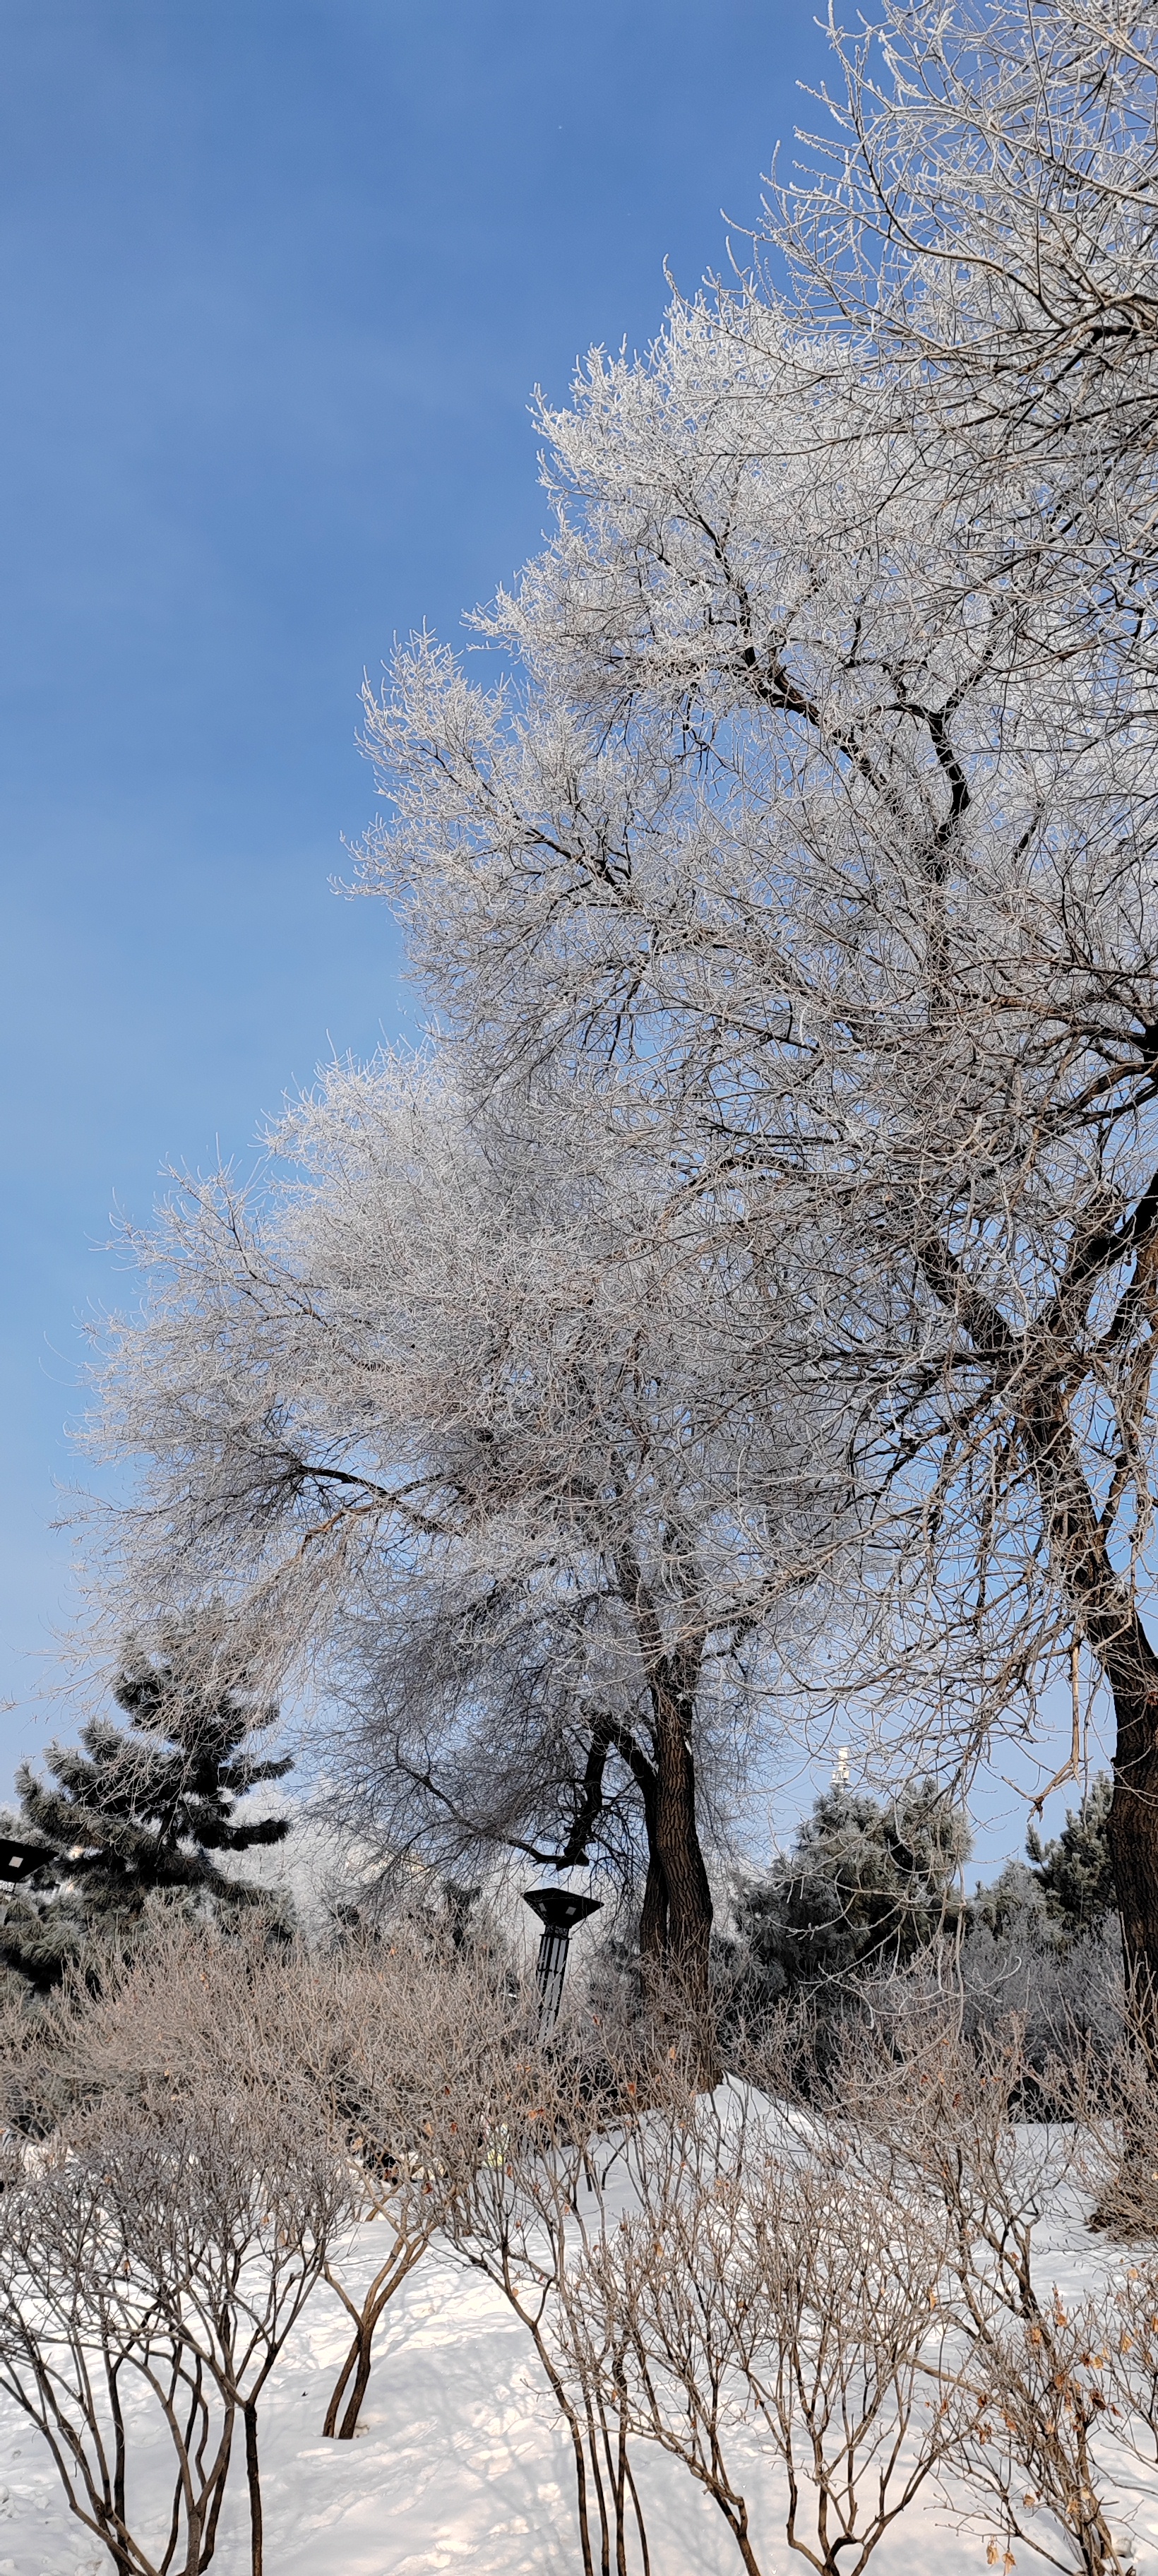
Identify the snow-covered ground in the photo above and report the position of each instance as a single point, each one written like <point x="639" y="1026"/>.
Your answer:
<point x="459" y="2463"/>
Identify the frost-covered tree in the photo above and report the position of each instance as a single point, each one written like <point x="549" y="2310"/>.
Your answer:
<point x="980" y="212"/>
<point x="823" y="796"/>
<point x="452" y="1415"/>
<point x="982" y="225"/>
<point x="816" y="821"/>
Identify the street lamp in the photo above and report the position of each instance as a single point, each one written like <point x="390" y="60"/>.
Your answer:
<point x="18" y="1861"/>
<point x="559" y="1912"/>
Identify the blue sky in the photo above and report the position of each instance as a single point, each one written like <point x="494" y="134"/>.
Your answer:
<point x="277" y="278"/>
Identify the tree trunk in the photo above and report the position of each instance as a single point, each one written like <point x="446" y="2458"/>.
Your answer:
<point x="253" y="2480"/>
<point x="676" y="1927"/>
<point x="349" y="2423"/>
<point x="1103" y="1605"/>
<point x="358" y="2347"/>
<point x="220" y="2475"/>
<point x="653" y="1918"/>
<point x="359" y="2359"/>
<point x="1133" y="1836"/>
<point x="1109" y="1622"/>
<point x="1106" y="1616"/>
<point x="678" y="1854"/>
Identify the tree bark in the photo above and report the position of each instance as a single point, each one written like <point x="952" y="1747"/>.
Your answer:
<point x="363" y="2355"/>
<point x="674" y="1860"/>
<point x="1107" y="1616"/>
<point x="687" y="1896"/>
<point x="653" y="1915"/>
<point x="253" y="2481"/>
<point x="1029" y="1373"/>
<point x="676" y="1924"/>
<point x="1133" y="1836"/>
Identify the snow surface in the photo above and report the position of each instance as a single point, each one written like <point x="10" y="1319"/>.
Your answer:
<point x="459" y="2462"/>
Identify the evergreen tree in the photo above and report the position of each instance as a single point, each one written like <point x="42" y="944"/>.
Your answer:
<point x="1013" y="1907"/>
<point x="1074" y="1871"/>
<point x="865" y="1886"/>
<point x="139" y="1808"/>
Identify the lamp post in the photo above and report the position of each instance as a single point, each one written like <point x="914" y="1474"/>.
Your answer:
<point x="18" y="1862"/>
<point x="559" y="1912"/>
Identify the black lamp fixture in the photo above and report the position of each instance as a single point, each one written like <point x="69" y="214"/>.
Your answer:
<point x="18" y="1862"/>
<point x="559" y="1912"/>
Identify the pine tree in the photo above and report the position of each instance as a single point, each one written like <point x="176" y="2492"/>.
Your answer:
<point x="865" y="1886"/>
<point x="1074" y="1871"/>
<point x="139" y="1808"/>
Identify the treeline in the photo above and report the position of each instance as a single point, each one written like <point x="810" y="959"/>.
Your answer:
<point x="872" y="1897"/>
<point x="149" y="1809"/>
<point x="869" y="1884"/>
